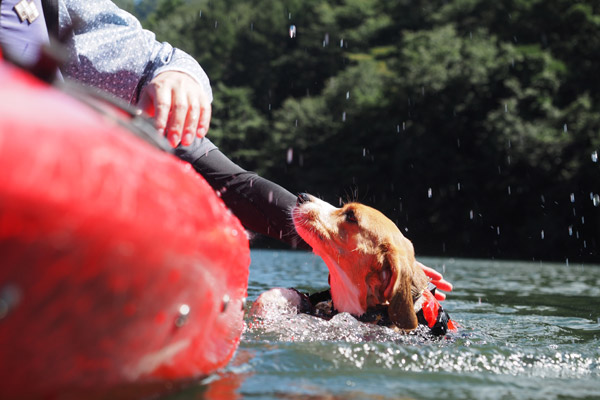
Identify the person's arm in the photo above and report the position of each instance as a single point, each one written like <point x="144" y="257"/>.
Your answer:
<point x="110" y="50"/>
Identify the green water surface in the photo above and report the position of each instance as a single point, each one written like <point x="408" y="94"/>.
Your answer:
<point x="529" y="330"/>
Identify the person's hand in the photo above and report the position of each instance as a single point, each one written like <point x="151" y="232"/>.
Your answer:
<point x="438" y="280"/>
<point x="179" y="105"/>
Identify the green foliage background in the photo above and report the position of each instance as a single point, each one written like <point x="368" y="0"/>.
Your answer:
<point x="472" y="124"/>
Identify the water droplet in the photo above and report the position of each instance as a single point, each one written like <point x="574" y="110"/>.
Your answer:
<point x="498" y="230"/>
<point x="221" y="191"/>
<point x="542" y="234"/>
<point x="342" y="43"/>
<point x="429" y="193"/>
<point x="471" y="215"/>
<point x="458" y="186"/>
<point x="595" y="156"/>
<point x="404" y="126"/>
<point x="570" y="230"/>
<point x="565" y="128"/>
<point x="596" y="200"/>
<point x="270" y="196"/>
<point x="347" y="95"/>
<point x="505" y="107"/>
<point x="292" y="31"/>
<point x="344" y="116"/>
<point x="326" y="40"/>
<point x="509" y="191"/>
<point x="290" y="155"/>
<point x="572" y="197"/>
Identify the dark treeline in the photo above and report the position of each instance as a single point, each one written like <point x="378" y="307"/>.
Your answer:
<point x="474" y="125"/>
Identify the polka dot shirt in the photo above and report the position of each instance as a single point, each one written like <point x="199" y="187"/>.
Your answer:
<point x="110" y="50"/>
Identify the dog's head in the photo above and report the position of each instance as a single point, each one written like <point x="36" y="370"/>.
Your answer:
<point x="370" y="262"/>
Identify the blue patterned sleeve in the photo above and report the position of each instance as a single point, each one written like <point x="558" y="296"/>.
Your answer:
<point x="110" y="50"/>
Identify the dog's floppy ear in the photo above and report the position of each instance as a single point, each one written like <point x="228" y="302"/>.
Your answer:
<point x="399" y="293"/>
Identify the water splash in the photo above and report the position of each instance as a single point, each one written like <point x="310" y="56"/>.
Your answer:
<point x="595" y="156"/>
<point x="292" y="31"/>
<point x="284" y="324"/>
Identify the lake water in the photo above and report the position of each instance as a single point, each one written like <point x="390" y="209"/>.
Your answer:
<point x="529" y="330"/>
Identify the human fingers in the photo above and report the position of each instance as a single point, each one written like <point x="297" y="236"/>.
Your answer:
<point x="162" y="106"/>
<point x="205" y="118"/>
<point x="191" y="121"/>
<point x="430" y="272"/>
<point x="436" y="278"/>
<point x="440" y="295"/>
<point x="177" y="117"/>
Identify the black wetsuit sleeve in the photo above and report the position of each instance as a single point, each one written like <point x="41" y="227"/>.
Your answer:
<point x="261" y="205"/>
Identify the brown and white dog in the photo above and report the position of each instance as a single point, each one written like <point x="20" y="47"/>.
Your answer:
<point x="370" y="262"/>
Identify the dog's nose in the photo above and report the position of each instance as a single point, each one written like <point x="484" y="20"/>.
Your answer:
<point x="302" y="198"/>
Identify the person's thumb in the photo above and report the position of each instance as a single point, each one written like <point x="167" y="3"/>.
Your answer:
<point x="146" y="102"/>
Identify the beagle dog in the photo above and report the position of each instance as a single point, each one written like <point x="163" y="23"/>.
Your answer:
<point x="371" y="265"/>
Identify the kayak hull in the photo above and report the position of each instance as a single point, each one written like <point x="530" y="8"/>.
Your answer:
<point x="119" y="264"/>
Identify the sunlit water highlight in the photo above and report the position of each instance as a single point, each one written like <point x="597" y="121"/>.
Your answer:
<point x="528" y="331"/>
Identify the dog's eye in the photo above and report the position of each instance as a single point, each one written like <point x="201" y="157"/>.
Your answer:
<point x="351" y="217"/>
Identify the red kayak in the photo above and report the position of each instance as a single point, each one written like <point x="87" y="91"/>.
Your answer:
<point x="120" y="267"/>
